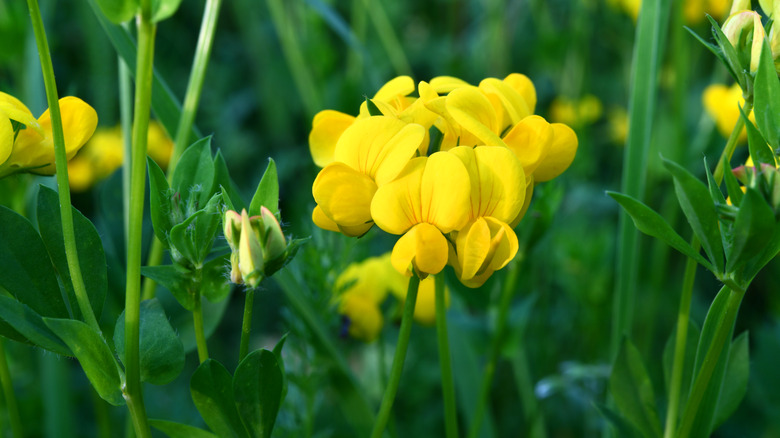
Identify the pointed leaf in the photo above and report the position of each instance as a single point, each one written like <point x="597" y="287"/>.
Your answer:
<point x="95" y="357"/>
<point x="212" y="391"/>
<point x="31" y="326"/>
<point x="193" y="178"/>
<point x="695" y="201"/>
<point x="753" y="227"/>
<point x="732" y="187"/>
<point x="729" y="54"/>
<point x="257" y="387"/>
<point x="267" y="193"/>
<point x="633" y="392"/>
<point x="175" y="278"/>
<point x="715" y="193"/>
<point x="766" y="96"/>
<point x="178" y="430"/>
<point x="621" y="425"/>
<point x="26" y="271"/>
<point x="652" y="224"/>
<point x="222" y="178"/>
<point x="759" y="149"/>
<point x="159" y="202"/>
<point x="118" y="11"/>
<point x="736" y="385"/>
<point x="92" y="258"/>
<point x="161" y="351"/>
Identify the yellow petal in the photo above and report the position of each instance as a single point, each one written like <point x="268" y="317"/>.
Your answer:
<point x="396" y="205"/>
<point x="445" y="84"/>
<point x="524" y="86"/>
<point x="497" y="181"/>
<point x="398" y="87"/>
<point x="444" y="192"/>
<point x="344" y="195"/>
<point x="423" y="248"/>
<point x="530" y="140"/>
<point x="511" y="101"/>
<point x="6" y="138"/>
<point x="529" y="192"/>
<point x="327" y="127"/>
<point x="560" y="155"/>
<point x="15" y="110"/>
<point x="472" y="110"/>
<point x="473" y="245"/>
<point x="425" y="308"/>
<point x="503" y="244"/>
<point x="379" y="146"/>
<point x="323" y="221"/>
<point x="81" y="176"/>
<point x="364" y="318"/>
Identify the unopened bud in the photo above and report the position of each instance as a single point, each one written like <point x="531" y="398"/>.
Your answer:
<point x="232" y="228"/>
<point x="275" y="242"/>
<point x="250" y="253"/>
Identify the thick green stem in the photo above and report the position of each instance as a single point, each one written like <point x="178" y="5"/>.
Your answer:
<point x="8" y="393"/>
<point x="126" y="121"/>
<point x="704" y="375"/>
<point x="445" y="361"/>
<point x="61" y="165"/>
<point x="200" y="335"/>
<point x="143" y="93"/>
<point x="398" y="358"/>
<point x="246" y="325"/>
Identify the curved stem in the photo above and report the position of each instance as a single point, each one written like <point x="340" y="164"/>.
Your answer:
<point x="710" y="361"/>
<point x="398" y="358"/>
<point x="8" y="393"/>
<point x="143" y="93"/>
<point x="246" y="325"/>
<point x="61" y="165"/>
<point x="445" y="361"/>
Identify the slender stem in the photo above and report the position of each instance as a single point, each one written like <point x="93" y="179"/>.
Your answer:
<point x="8" y="392"/>
<point x="126" y="121"/>
<point x="200" y="335"/>
<point x="246" y="325"/>
<point x="143" y="92"/>
<point x="507" y="292"/>
<point x="398" y="358"/>
<point x="445" y="361"/>
<point x="58" y="403"/>
<point x="731" y="144"/>
<point x="61" y="165"/>
<point x="103" y="423"/>
<point x="525" y="388"/>
<point x="702" y="380"/>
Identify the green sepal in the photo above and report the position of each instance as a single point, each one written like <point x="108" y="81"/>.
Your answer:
<point x="653" y="224"/>
<point x="436" y="137"/>
<point x="26" y="271"/>
<point x="179" y="430"/>
<point x="194" y="237"/>
<point x="193" y="177"/>
<point x="267" y="193"/>
<point x="161" y="353"/>
<point x="93" y="354"/>
<point x="160" y="202"/>
<point x="632" y="391"/>
<point x="730" y="55"/>
<point x="736" y="385"/>
<point x="215" y="285"/>
<point x="222" y="179"/>
<point x="89" y="247"/>
<point x="211" y="387"/>
<point x="272" y="266"/>
<point x="176" y="278"/>
<point x="118" y="11"/>
<point x="258" y="387"/>
<point x="30" y="326"/>
<point x="695" y="201"/>
<point x="766" y="98"/>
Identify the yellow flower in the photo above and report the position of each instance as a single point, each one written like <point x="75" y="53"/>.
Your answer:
<point x="425" y="306"/>
<point x="256" y="242"/>
<point x="33" y="149"/>
<point x="368" y="154"/>
<point x="363" y="318"/>
<point x="722" y="104"/>
<point x="693" y="10"/>
<point x="429" y="198"/>
<point x="578" y="113"/>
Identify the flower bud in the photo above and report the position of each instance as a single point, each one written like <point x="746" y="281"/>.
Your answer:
<point x="737" y="29"/>
<point x="232" y="228"/>
<point x="250" y="253"/>
<point x="275" y="242"/>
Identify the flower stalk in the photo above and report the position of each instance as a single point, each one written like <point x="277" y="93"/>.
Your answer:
<point x="246" y="325"/>
<point x="445" y="361"/>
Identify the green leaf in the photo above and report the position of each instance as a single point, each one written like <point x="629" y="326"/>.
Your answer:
<point x="162" y="9"/>
<point x="26" y="271"/>
<point x="695" y="201"/>
<point x="215" y="285"/>
<point x="652" y="224"/>
<point x="759" y="150"/>
<point x="95" y="357"/>
<point x="161" y="351"/>
<point x="118" y="11"/>
<point x="730" y="55"/>
<point x="178" y="430"/>
<point x="267" y="193"/>
<point x="771" y="249"/>
<point x="623" y="428"/>
<point x="692" y="339"/>
<point x="31" y="326"/>
<point x="222" y="178"/>
<point x="753" y="228"/>
<point x="175" y="278"/>
<point x="213" y="313"/>
<point x="732" y="187"/>
<point x="736" y="385"/>
<point x="711" y="47"/>
<point x="194" y="175"/>
<point x="194" y="237"/>
<point x="715" y="193"/>
<point x="212" y="391"/>
<point x="166" y="106"/>
<point x="632" y="390"/>
<point x="257" y="387"/>
<point x="92" y="258"/>
<point x="766" y="97"/>
<point x="159" y="202"/>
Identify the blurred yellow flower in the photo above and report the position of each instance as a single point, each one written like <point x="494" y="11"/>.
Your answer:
<point x="102" y="155"/>
<point x="27" y="144"/>
<point x="722" y="104"/>
<point x="693" y="10"/>
<point x="577" y="113"/>
<point x="617" y="117"/>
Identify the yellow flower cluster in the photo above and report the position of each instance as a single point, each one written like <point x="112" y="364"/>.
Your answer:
<point x="450" y="169"/>
<point x="363" y="287"/>
<point x="576" y="112"/>
<point x="693" y="10"/>
<point x="102" y="155"/>
<point x="27" y="143"/>
<point x="722" y="103"/>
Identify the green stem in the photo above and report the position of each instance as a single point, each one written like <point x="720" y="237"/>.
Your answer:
<point x="103" y="423"/>
<point x="507" y="292"/>
<point x="386" y="34"/>
<point x="445" y="361"/>
<point x="8" y="392"/>
<point x="61" y="165"/>
<point x="398" y="358"/>
<point x="525" y="388"/>
<point x="143" y="92"/>
<point x="246" y="325"/>
<point x="58" y="412"/>
<point x="704" y="375"/>
<point x="731" y="144"/>
<point x="126" y="121"/>
<point x="200" y="335"/>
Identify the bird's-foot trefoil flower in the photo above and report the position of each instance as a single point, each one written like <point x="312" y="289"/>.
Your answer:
<point x="258" y="246"/>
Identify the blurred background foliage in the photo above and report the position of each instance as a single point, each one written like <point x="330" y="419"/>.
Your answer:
<point x="274" y="65"/>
